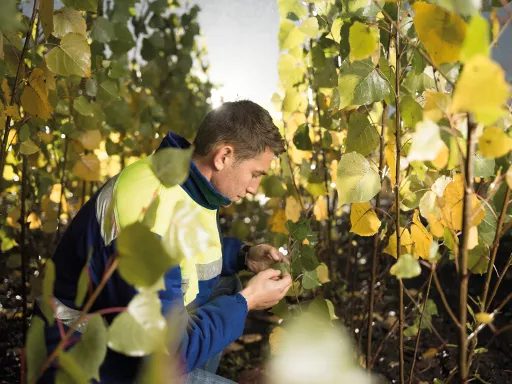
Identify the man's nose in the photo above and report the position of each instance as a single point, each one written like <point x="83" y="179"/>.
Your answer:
<point x="253" y="187"/>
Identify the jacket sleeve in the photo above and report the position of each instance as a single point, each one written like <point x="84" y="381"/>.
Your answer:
<point x="231" y="262"/>
<point x="206" y="330"/>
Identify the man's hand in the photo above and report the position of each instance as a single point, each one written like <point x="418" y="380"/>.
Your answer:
<point x="266" y="289"/>
<point x="261" y="257"/>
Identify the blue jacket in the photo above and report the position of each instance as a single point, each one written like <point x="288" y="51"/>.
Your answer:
<point x="212" y="325"/>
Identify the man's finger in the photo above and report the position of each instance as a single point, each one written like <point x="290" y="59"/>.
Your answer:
<point x="271" y="273"/>
<point x="286" y="281"/>
<point x="275" y="254"/>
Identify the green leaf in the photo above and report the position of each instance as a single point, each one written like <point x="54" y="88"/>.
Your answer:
<point x="46" y="17"/>
<point x="310" y="27"/>
<point x="362" y="136"/>
<point x="410" y="111"/>
<point x="48" y="283"/>
<point x="325" y="75"/>
<point x="70" y="371"/>
<point x="82" y="106"/>
<point x="28" y="147"/>
<point x="71" y="57"/>
<point x="308" y="257"/>
<point x="360" y="8"/>
<point x="82" y="5"/>
<point x="477" y="41"/>
<point x="91" y="350"/>
<point x="102" y="30"/>
<point x="301" y="138"/>
<point x="289" y="35"/>
<point x="83" y="282"/>
<point x="291" y="71"/>
<point x="13" y="261"/>
<point x="484" y="167"/>
<point x="299" y="230"/>
<point x="108" y="91"/>
<point x="141" y="329"/>
<point x="67" y="21"/>
<point x="406" y="267"/>
<point x="310" y="280"/>
<point x="24" y="132"/>
<point x="288" y="7"/>
<point x="91" y="87"/>
<point x="363" y="40"/>
<point x="272" y="186"/>
<point x="150" y="215"/>
<point x="478" y="259"/>
<point x="36" y="348"/>
<point x="171" y="165"/>
<point x="281" y="309"/>
<point x="142" y="257"/>
<point x="358" y="180"/>
<point x="360" y="83"/>
<point x="320" y="309"/>
<point x="487" y="228"/>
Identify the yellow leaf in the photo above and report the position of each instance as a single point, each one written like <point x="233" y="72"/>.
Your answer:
<point x="322" y="272"/>
<point x="34" y="220"/>
<point x="91" y="139"/>
<point x="6" y="91"/>
<point x="441" y="161"/>
<point x="293" y="209"/>
<point x="481" y="89"/>
<point x="431" y="352"/>
<point x="405" y="243"/>
<point x="495" y="23"/>
<point x="8" y="173"/>
<point x="13" y="112"/>
<point x="421" y="238"/>
<point x="320" y="209"/>
<point x="28" y="147"/>
<point x="363" y="40"/>
<point x="390" y="158"/>
<point x="473" y="237"/>
<point x="88" y="168"/>
<point x="13" y="218"/>
<point x="441" y="32"/>
<point x="276" y="222"/>
<point x="276" y="338"/>
<point x="484" y="317"/>
<point x="35" y="95"/>
<point x="363" y="219"/>
<point x="494" y="142"/>
<point x="437" y="105"/>
<point x="451" y="205"/>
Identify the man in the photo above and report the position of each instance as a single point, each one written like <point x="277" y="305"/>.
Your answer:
<point x="233" y="149"/>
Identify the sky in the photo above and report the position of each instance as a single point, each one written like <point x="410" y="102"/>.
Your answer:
<point x="241" y="39"/>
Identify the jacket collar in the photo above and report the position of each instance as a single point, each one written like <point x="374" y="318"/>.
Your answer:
<point x="196" y="185"/>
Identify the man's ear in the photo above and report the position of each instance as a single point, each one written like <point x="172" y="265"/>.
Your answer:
<point x="223" y="156"/>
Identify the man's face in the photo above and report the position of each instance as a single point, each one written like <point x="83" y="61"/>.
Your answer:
<point x="237" y="179"/>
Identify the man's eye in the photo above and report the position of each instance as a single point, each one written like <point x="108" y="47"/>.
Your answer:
<point x="255" y="175"/>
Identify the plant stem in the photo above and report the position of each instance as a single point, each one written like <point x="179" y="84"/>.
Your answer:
<point x="5" y="139"/>
<point x="420" y="322"/>
<point x="85" y="310"/>
<point x="62" y="187"/>
<point x="495" y="246"/>
<point x="463" y="252"/>
<point x="375" y="260"/>
<point x="397" y="195"/>
<point x="445" y="302"/>
<point x="24" y="261"/>
<point x="503" y="273"/>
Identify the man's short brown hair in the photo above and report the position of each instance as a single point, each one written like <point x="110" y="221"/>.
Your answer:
<point x="243" y="124"/>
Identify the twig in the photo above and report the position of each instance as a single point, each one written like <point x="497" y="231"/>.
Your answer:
<point x="463" y="252"/>
<point x="24" y="261"/>
<point x="3" y="148"/>
<point x="83" y="315"/>
<point x="503" y="273"/>
<point x="375" y="261"/>
<point x="495" y="246"/>
<point x="445" y="302"/>
<point x="420" y="323"/>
